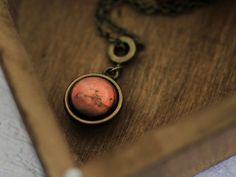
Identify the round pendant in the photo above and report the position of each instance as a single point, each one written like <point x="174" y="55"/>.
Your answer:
<point x="93" y="99"/>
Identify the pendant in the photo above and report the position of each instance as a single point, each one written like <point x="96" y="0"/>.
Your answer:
<point x="93" y="99"/>
<point x="97" y="98"/>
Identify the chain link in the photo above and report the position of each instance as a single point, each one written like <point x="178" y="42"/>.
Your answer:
<point x="109" y="30"/>
<point x="113" y="72"/>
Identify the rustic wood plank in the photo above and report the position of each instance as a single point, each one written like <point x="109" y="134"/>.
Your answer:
<point x="189" y="63"/>
<point x="184" y="148"/>
<point x="39" y="117"/>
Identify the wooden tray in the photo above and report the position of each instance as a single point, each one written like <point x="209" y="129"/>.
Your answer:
<point x="188" y="64"/>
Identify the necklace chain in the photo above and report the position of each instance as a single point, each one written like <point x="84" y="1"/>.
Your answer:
<point x="109" y="30"/>
<point x="112" y="32"/>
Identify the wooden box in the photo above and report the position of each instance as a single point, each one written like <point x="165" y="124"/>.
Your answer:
<point x="175" y="121"/>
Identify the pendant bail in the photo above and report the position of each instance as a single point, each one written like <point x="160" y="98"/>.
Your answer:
<point x="123" y="52"/>
<point x="113" y="72"/>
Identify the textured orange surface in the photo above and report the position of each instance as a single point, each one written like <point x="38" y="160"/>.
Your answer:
<point x="93" y="96"/>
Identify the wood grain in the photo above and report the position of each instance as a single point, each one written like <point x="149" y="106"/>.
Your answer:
<point x="38" y="115"/>
<point x="183" y="148"/>
<point x="189" y="63"/>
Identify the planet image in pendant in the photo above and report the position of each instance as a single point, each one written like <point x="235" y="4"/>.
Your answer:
<point x="93" y="98"/>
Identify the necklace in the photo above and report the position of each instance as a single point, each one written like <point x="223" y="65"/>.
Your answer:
<point x="96" y="98"/>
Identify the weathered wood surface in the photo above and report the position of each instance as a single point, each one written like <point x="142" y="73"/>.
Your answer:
<point x="38" y="115"/>
<point x="175" y="149"/>
<point x="17" y="155"/>
<point x="172" y="86"/>
<point x="189" y="63"/>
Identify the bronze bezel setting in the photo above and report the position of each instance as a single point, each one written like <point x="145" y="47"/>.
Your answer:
<point x="106" y="118"/>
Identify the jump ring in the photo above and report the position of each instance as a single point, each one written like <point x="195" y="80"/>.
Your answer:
<point x="113" y="72"/>
<point x="126" y="57"/>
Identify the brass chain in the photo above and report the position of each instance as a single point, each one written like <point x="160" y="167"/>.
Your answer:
<point x="110" y="31"/>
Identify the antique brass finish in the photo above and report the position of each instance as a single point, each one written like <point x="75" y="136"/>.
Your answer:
<point x="102" y="120"/>
<point x="126" y="57"/>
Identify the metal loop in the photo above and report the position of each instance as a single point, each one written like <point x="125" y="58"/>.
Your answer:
<point x="113" y="72"/>
<point x="131" y="50"/>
